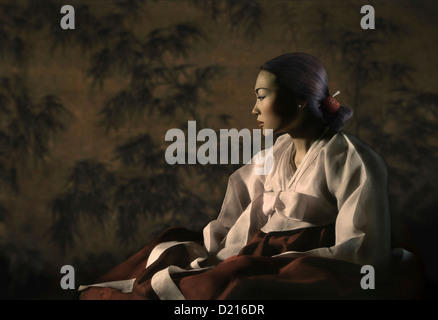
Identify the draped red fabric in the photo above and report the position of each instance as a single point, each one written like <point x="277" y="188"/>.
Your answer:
<point x="134" y="267"/>
<point x="252" y="274"/>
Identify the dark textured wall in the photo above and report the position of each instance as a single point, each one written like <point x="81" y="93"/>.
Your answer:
<point x="84" y="112"/>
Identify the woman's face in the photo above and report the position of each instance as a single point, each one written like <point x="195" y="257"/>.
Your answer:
<point x="271" y="113"/>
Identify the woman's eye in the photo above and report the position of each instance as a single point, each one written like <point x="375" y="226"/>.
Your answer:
<point x="260" y="98"/>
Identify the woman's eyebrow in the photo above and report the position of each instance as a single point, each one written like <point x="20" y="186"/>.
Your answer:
<point x="256" y="90"/>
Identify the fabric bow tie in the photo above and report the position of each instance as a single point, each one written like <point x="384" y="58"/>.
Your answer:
<point x="297" y="206"/>
<point x="272" y="202"/>
<point x="288" y="203"/>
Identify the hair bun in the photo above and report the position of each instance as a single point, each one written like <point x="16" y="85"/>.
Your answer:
<point x="339" y="118"/>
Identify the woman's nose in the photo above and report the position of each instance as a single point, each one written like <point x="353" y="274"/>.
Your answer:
<point x="255" y="110"/>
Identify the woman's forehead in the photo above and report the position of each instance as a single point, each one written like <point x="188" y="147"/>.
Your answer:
<point x="265" y="80"/>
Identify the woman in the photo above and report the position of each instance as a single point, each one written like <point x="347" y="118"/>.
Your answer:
<point x="304" y="230"/>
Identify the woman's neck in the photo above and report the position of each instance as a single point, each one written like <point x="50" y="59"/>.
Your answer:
<point x="304" y="137"/>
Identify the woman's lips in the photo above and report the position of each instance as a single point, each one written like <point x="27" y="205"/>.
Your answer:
<point x="260" y="123"/>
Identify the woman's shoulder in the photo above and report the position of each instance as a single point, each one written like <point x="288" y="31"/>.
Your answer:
<point x="347" y="146"/>
<point x="261" y="163"/>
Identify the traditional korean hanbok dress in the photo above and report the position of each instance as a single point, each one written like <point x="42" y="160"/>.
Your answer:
<point x="293" y="233"/>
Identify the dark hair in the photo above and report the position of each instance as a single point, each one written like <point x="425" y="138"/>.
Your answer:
<point x="304" y="76"/>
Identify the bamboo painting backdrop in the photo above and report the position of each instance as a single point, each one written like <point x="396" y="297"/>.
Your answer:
<point x="84" y="112"/>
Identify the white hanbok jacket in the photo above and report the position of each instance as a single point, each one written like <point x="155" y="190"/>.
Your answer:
<point x="341" y="180"/>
